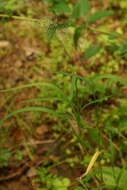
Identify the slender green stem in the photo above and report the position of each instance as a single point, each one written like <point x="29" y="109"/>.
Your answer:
<point x="83" y="185"/>
<point x="19" y="18"/>
<point x="64" y="46"/>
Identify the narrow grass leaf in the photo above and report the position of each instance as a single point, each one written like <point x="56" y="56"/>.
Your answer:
<point x="99" y="15"/>
<point x="51" y="31"/>
<point x="74" y="84"/>
<point x="77" y="35"/>
<point x="36" y="109"/>
<point x="111" y="77"/>
<point x="81" y="9"/>
<point x="91" y="51"/>
<point x="46" y="99"/>
<point x="38" y="84"/>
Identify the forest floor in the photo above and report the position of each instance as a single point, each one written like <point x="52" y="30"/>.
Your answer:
<point x="34" y="140"/>
<point x="21" y="44"/>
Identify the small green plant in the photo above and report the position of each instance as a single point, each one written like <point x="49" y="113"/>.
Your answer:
<point x="77" y="96"/>
<point x="19" y="155"/>
<point x="70" y="104"/>
<point x="114" y="178"/>
<point x="51" y="182"/>
<point x="9" y="7"/>
<point x="5" y="155"/>
<point x="68" y="96"/>
<point x="80" y="18"/>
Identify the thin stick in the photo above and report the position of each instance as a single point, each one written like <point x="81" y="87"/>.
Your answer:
<point x="90" y="166"/>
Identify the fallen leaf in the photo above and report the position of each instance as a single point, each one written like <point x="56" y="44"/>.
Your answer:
<point x="41" y="130"/>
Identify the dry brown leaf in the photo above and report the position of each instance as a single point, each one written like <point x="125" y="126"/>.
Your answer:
<point x="41" y="130"/>
<point x="32" y="172"/>
<point x="4" y="44"/>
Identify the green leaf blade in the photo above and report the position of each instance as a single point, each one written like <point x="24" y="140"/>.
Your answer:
<point x="51" y="31"/>
<point x="61" y="8"/>
<point x="77" y="35"/>
<point x="34" y="84"/>
<point x="36" y="109"/>
<point x="91" y="51"/>
<point x="99" y="15"/>
<point x="81" y="9"/>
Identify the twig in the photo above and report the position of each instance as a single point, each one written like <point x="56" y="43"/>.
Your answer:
<point x="40" y="142"/>
<point x="90" y="166"/>
<point x="16" y="174"/>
